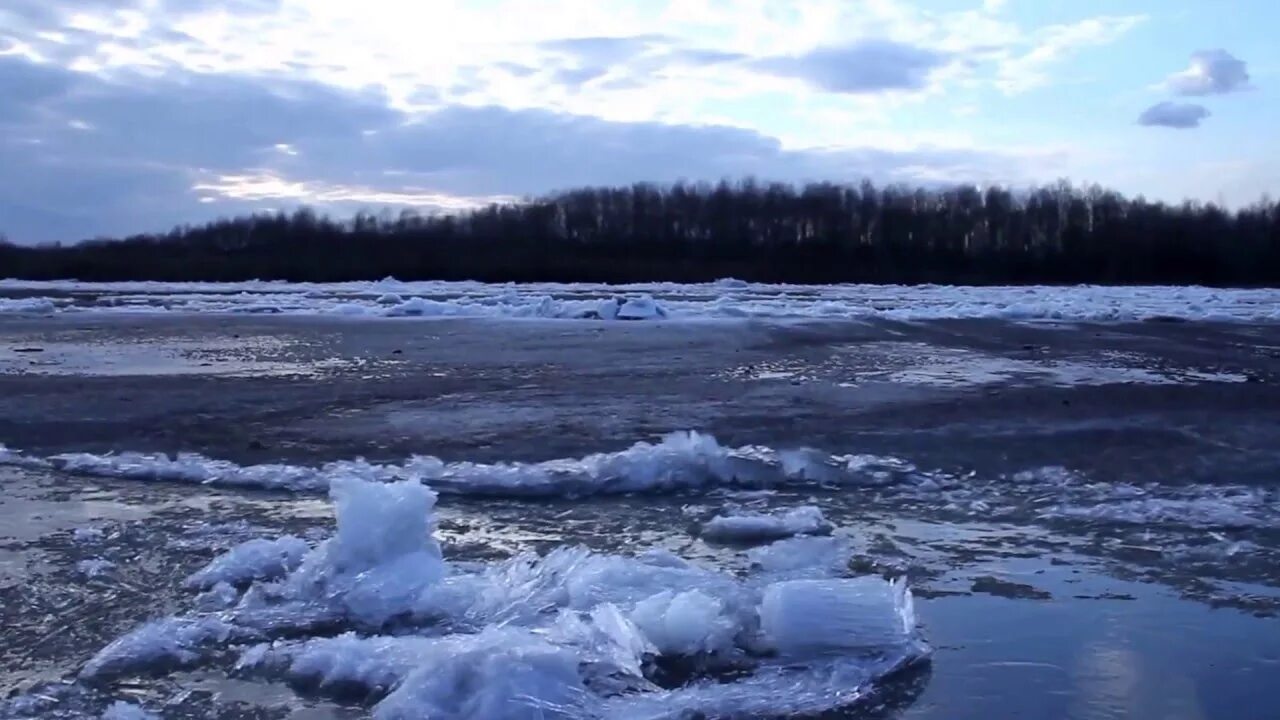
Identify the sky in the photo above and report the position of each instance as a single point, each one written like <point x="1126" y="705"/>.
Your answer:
<point x="123" y="116"/>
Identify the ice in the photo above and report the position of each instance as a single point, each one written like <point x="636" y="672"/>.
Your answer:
<point x="526" y="586"/>
<point x="384" y="555"/>
<point x="377" y="523"/>
<point x="801" y="557"/>
<point x="610" y="646"/>
<point x="810" y="689"/>
<point x="190" y="467"/>
<point x="372" y="665"/>
<point x="681" y="460"/>
<point x="756" y="527"/>
<point x="16" y="458"/>
<point x="722" y="300"/>
<point x="492" y="676"/>
<point x="94" y="567"/>
<point x="221" y="596"/>
<point x="28" y="306"/>
<point x="87" y="535"/>
<point x="500" y="672"/>
<point x="155" y="645"/>
<point x="421" y="307"/>
<point x="690" y="623"/>
<point x="121" y="710"/>
<point x="1223" y="508"/>
<point x="695" y="462"/>
<point x="258" y="559"/>
<point x="799" y="616"/>
<point x="376" y="612"/>
<point x="641" y="308"/>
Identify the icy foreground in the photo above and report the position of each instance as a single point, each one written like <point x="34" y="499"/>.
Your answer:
<point x="725" y="299"/>
<point x="377" y="612"/>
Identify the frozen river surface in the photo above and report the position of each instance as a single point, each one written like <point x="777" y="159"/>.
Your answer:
<point x="869" y="517"/>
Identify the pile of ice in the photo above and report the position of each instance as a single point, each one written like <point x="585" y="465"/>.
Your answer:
<point x="507" y="305"/>
<point x="686" y="460"/>
<point x="377" y="612"/>
<point x="757" y="527"/>
<point x="696" y="462"/>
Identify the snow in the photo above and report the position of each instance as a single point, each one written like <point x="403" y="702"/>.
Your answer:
<point x="258" y="559"/>
<point x="121" y="710"/>
<point x="569" y="634"/>
<point x="720" y="300"/>
<point x="756" y="527"/>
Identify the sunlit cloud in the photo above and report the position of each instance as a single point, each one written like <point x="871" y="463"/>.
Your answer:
<point x="268" y="187"/>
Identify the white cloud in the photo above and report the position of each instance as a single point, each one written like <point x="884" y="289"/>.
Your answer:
<point x="869" y="66"/>
<point x="1050" y="45"/>
<point x="1212" y="72"/>
<point x="263" y="186"/>
<point x="1180" y="116"/>
<point x="386" y="101"/>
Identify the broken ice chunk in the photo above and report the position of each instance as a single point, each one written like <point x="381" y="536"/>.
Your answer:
<point x="756" y="527"/>
<point x="814" y="615"/>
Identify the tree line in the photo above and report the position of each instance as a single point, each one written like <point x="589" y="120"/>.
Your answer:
<point x="816" y="233"/>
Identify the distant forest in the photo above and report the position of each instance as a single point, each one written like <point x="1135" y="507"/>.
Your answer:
<point x="818" y="233"/>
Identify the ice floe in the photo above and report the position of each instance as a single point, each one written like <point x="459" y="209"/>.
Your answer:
<point x="376" y="613"/>
<point x="756" y="527"/>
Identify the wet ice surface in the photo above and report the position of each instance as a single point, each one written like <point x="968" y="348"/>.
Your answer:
<point x="1143" y="621"/>
<point x="728" y="299"/>
<point x="251" y="356"/>
<point x="917" y="363"/>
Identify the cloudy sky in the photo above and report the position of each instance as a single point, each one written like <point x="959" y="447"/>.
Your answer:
<point x="120" y="116"/>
